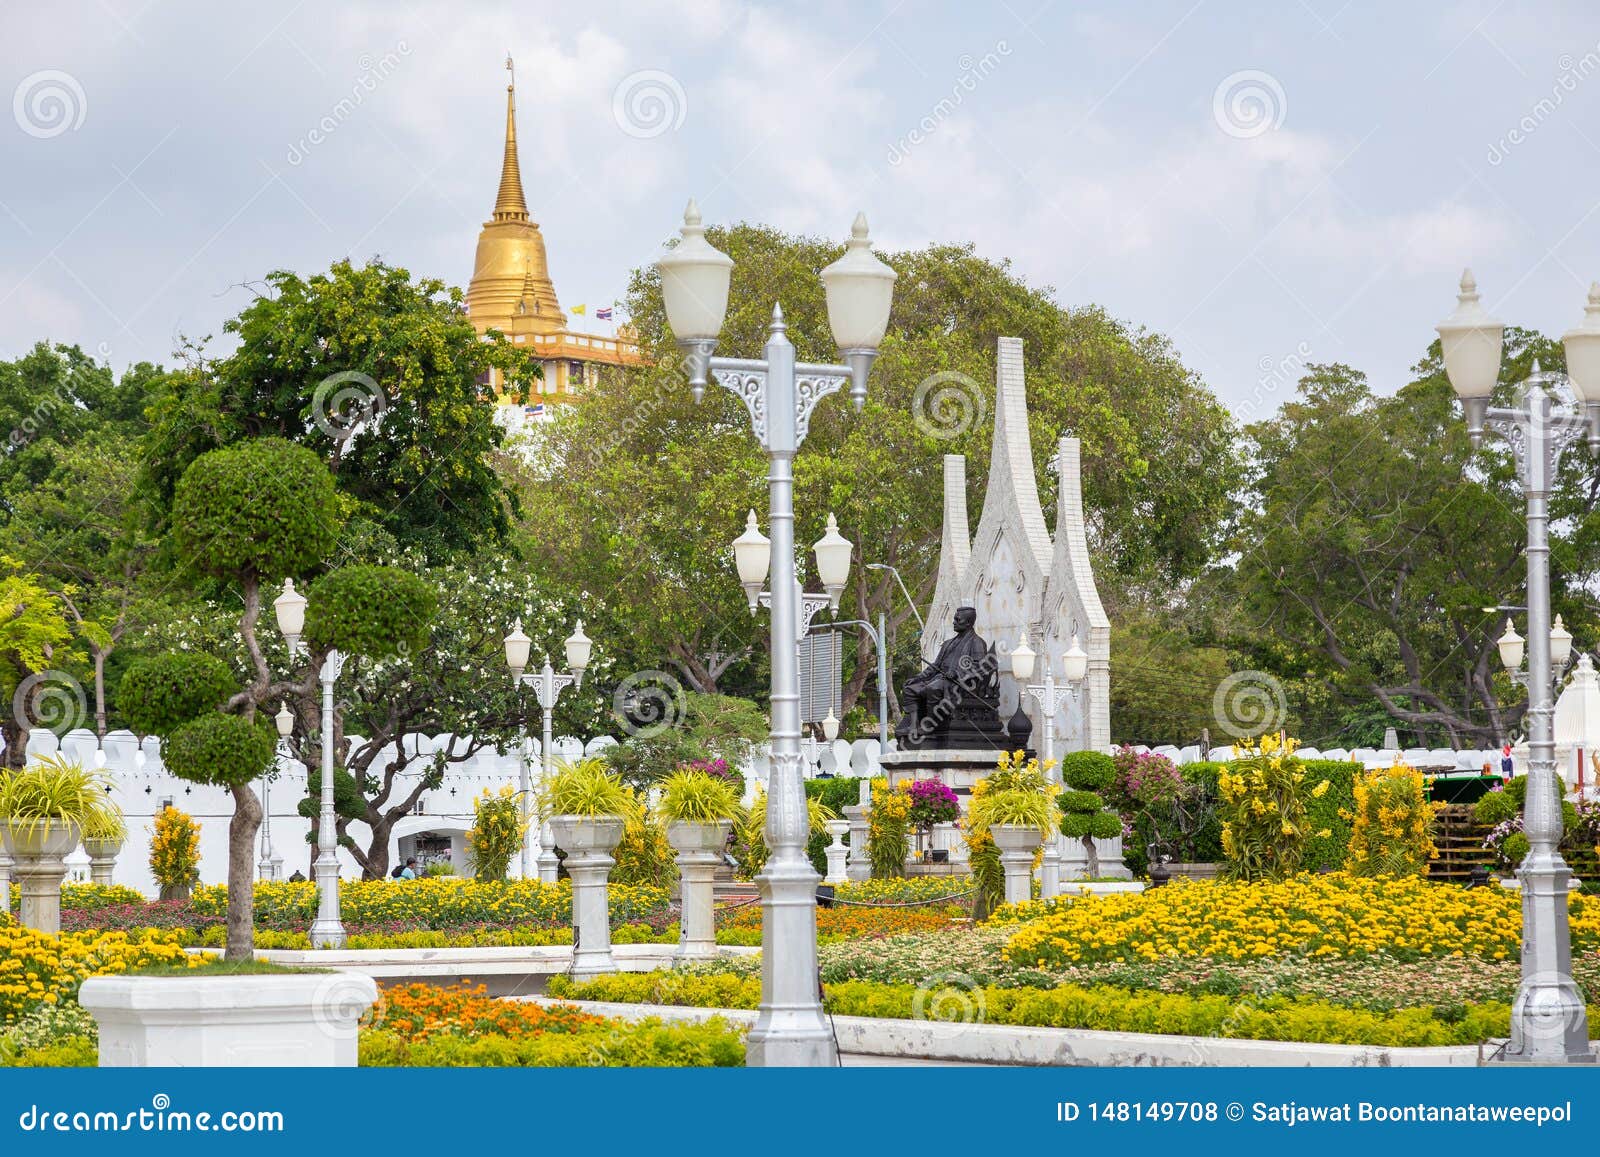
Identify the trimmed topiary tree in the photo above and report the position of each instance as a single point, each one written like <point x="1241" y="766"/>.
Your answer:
<point x="1084" y="815"/>
<point x="251" y="512"/>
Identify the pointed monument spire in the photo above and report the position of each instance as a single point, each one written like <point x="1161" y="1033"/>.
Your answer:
<point x="510" y="204"/>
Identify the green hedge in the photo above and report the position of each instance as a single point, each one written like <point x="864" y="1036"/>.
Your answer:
<point x="837" y="792"/>
<point x="1101" y="1008"/>
<point x="1333" y="850"/>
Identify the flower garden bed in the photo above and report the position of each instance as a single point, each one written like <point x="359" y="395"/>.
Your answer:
<point x="421" y="1025"/>
<point x="1101" y="1008"/>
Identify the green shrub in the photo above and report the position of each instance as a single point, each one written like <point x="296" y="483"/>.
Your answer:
<point x="159" y="694"/>
<point x="221" y="749"/>
<point x="262" y="508"/>
<point x="1330" y="812"/>
<point x="584" y="788"/>
<point x="1088" y="770"/>
<point x="378" y="611"/>
<point x="695" y="797"/>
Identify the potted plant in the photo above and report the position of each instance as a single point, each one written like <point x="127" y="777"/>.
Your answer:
<point x="103" y="837"/>
<point x="1018" y="820"/>
<point x="587" y="807"/>
<point x="932" y="803"/>
<point x="44" y="809"/>
<point x="700" y="810"/>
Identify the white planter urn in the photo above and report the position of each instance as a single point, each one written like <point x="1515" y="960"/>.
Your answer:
<point x="102" y="859"/>
<point x="589" y="842"/>
<point x="1017" y="843"/>
<point x="700" y="848"/>
<point x="268" y="1021"/>
<point x="859" y="819"/>
<point x="39" y="864"/>
<point x="838" y="872"/>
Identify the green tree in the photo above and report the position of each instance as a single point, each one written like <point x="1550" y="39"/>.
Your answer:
<point x="376" y="373"/>
<point x="1378" y="537"/>
<point x="258" y="510"/>
<point x="639" y="490"/>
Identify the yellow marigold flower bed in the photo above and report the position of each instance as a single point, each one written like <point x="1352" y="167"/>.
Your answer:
<point x="36" y="969"/>
<point x="1334" y="915"/>
<point x="432" y="903"/>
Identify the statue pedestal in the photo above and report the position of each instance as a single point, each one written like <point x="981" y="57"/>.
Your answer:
<point x="958" y="768"/>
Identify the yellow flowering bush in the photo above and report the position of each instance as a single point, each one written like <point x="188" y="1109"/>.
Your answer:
<point x="1334" y="915"/>
<point x="36" y="969"/>
<point x="175" y="852"/>
<point x="499" y="823"/>
<point x="1016" y="775"/>
<point x="1265" y="829"/>
<point x="888" y="840"/>
<point x="1391" y="829"/>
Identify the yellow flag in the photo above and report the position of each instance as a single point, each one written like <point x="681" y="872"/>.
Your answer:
<point x="580" y="309"/>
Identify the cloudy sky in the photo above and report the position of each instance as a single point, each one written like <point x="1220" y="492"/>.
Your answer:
<point x="1267" y="184"/>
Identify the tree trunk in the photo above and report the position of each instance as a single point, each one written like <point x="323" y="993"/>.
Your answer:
<point x="1094" y="857"/>
<point x="241" y="873"/>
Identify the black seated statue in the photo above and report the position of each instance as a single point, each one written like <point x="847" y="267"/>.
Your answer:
<point x="955" y="701"/>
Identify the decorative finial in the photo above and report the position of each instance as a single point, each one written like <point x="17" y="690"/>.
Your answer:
<point x="512" y="69"/>
<point x="1469" y="287"/>
<point x="691" y="214"/>
<point x="1536" y="370"/>
<point x="778" y="324"/>
<point x="1594" y="298"/>
<point x="516" y="626"/>
<point x="858" y="229"/>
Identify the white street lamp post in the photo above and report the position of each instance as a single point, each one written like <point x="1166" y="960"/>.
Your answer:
<point x="271" y="865"/>
<point x="780" y="394"/>
<point x="1050" y="695"/>
<point x="1549" y="1022"/>
<point x="547" y="686"/>
<point x="327" y="931"/>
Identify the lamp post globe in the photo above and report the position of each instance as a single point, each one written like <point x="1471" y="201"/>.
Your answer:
<point x="1560" y="644"/>
<point x="284" y="720"/>
<point x="579" y="648"/>
<point x="290" y="610"/>
<point x="694" y="290"/>
<point x="1471" y="341"/>
<point x="833" y="561"/>
<point x="518" y="647"/>
<point x="752" y="555"/>
<point x="1022" y="659"/>
<point x="1582" y="345"/>
<point x="1511" y="646"/>
<point x="1075" y="663"/>
<point x="860" y="291"/>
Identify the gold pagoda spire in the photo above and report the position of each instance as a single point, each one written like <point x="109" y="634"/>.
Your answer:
<point x="510" y="205"/>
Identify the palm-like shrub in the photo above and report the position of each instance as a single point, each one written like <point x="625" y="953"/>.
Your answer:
<point x="584" y="788"/>
<point x="751" y="850"/>
<point x="692" y="796"/>
<point x="60" y="790"/>
<point x="1015" y="791"/>
<point x="644" y="856"/>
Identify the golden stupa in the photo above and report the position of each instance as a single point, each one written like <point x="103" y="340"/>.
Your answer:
<point x="511" y="291"/>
